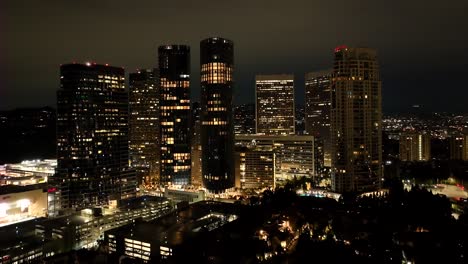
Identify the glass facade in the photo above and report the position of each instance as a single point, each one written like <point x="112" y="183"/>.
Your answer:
<point x="144" y="125"/>
<point x="244" y="119"/>
<point x="196" y="145"/>
<point x="92" y="137"/>
<point x="275" y="104"/>
<point x="217" y="133"/>
<point x="174" y="73"/>
<point x="317" y="116"/>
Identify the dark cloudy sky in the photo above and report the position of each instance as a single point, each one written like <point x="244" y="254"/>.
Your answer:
<point x="422" y="45"/>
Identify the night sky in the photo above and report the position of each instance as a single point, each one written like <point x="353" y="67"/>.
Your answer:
<point x="422" y="45"/>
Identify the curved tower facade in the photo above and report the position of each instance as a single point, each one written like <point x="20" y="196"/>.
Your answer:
<point x="217" y="133"/>
<point x="356" y="121"/>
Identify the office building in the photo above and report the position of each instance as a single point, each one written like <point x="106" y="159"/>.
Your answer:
<point x="244" y="119"/>
<point x="317" y="116"/>
<point x="92" y="137"/>
<point x="174" y="76"/>
<point x="179" y="237"/>
<point x="293" y="157"/>
<point x="459" y="146"/>
<point x="217" y="133"/>
<point x="415" y="146"/>
<point x="356" y="120"/>
<point x="196" y="145"/>
<point x="274" y="104"/>
<point x="144" y="125"/>
<point x="256" y="168"/>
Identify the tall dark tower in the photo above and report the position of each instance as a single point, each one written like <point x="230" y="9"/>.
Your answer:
<point x="317" y="116"/>
<point x="217" y="135"/>
<point x="356" y="120"/>
<point x="92" y="137"/>
<point x="174" y="78"/>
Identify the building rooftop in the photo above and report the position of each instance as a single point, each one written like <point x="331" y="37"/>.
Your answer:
<point x="7" y="189"/>
<point x="174" y="228"/>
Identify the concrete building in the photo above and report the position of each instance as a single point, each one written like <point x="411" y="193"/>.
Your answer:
<point x="181" y="195"/>
<point x="356" y="121"/>
<point x="415" y="146"/>
<point x="459" y="146"/>
<point x="21" y="203"/>
<point x="27" y="172"/>
<point x="171" y="234"/>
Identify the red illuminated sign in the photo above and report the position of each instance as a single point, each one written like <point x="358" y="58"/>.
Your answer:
<point x="339" y="48"/>
<point x="51" y="190"/>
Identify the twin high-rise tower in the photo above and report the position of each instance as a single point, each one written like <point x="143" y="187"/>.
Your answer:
<point x="93" y="123"/>
<point x="217" y="133"/>
<point x="216" y="65"/>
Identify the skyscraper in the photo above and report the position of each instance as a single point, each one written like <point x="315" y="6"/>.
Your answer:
<point x="144" y="125"/>
<point x="174" y="76"/>
<point x="217" y="134"/>
<point x="275" y="104"/>
<point x="244" y="119"/>
<point x="415" y="146"/>
<point x="356" y="120"/>
<point x="92" y="137"/>
<point x="317" y="115"/>
<point x="196" y="145"/>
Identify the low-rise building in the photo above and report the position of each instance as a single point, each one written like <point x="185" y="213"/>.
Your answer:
<point x="293" y="156"/>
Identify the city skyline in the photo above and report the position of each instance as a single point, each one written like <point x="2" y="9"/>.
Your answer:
<point x="233" y="132"/>
<point x="414" y="58"/>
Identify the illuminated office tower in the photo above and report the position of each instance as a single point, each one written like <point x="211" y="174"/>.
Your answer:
<point x="217" y="133"/>
<point x="256" y="168"/>
<point x="459" y="146"/>
<point x="143" y="124"/>
<point x="415" y="146"/>
<point x="196" y="146"/>
<point x="92" y="137"/>
<point x="274" y="104"/>
<point x="317" y="115"/>
<point x="356" y="120"/>
<point x="174" y="77"/>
